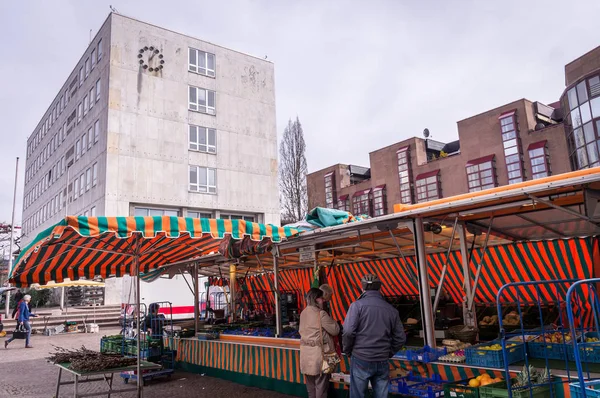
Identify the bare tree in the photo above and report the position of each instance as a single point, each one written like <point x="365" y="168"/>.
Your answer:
<point x="292" y="173"/>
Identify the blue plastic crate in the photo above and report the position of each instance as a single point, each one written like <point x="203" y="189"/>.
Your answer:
<point x="550" y="350"/>
<point x="418" y="386"/>
<point x="477" y="356"/>
<point x="592" y="389"/>
<point x="421" y="354"/>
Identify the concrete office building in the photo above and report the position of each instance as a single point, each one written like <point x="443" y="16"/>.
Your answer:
<point x="152" y="122"/>
<point x="520" y="141"/>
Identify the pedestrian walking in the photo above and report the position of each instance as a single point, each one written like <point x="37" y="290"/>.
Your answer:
<point x="23" y="319"/>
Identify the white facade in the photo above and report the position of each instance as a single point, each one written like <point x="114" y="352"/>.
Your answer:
<point x="129" y="152"/>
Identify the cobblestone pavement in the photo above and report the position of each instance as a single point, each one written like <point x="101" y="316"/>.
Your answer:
<point x="25" y="373"/>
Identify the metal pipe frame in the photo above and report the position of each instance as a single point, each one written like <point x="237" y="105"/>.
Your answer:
<point x="565" y="209"/>
<point x="462" y="235"/>
<point x="471" y="298"/>
<point x="428" y="324"/>
<point x="278" y="325"/>
<point x="445" y="269"/>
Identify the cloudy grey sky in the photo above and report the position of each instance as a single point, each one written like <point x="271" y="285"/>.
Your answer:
<point x="359" y="74"/>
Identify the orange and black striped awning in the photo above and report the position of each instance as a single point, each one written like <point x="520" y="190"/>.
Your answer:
<point x="88" y="247"/>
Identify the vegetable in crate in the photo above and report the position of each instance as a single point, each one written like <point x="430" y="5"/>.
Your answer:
<point x="555" y="337"/>
<point x="531" y="375"/>
<point x="496" y="347"/>
<point x="511" y="319"/>
<point x="483" y="380"/>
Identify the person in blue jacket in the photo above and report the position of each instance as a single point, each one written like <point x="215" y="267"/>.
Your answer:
<point x="23" y="318"/>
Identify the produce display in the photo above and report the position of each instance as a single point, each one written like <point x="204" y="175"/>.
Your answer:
<point x="489" y="320"/>
<point x="496" y="347"/>
<point x="554" y="337"/>
<point x="85" y="360"/>
<point x="511" y="319"/>
<point x="530" y="375"/>
<point x="592" y="340"/>
<point x="457" y="356"/>
<point x="483" y="380"/>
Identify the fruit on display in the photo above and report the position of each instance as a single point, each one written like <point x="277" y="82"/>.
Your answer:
<point x="554" y="337"/>
<point x="489" y="320"/>
<point x="495" y="347"/>
<point x="592" y="340"/>
<point x="511" y="319"/>
<point x="483" y="380"/>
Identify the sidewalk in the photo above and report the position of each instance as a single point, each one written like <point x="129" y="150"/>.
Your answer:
<point x="26" y="373"/>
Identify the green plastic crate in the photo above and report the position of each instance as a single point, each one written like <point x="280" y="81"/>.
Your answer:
<point x="499" y="390"/>
<point x="460" y="390"/>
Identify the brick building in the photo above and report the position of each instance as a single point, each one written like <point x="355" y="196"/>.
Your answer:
<point x="519" y="141"/>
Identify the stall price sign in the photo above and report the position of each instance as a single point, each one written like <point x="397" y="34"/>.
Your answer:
<point x="307" y="253"/>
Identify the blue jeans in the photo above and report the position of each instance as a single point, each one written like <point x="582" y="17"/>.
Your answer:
<point x="28" y="328"/>
<point x="361" y="372"/>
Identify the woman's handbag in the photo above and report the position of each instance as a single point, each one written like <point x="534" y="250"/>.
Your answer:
<point x="330" y="360"/>
<point x="20" y="332"/>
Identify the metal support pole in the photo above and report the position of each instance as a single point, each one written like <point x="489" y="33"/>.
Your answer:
<point x="140" y="376"/>
<point x="232" y="289"/>
<point x="428" y="324"/>
<point x="196" y="299"/>
<point x="12" y="238"/>
<point x="445" y="269"/>
<point x="278" y="326"/>
<point x="468" y="317"/>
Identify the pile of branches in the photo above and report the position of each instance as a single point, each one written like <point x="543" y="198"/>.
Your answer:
<point x="85" y="360"/>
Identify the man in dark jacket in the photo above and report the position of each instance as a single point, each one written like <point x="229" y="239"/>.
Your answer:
<point x="373" y="333"/>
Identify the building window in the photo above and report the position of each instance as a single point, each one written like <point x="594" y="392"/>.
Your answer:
<point x="83" y="144"/>
<point x="199" y="214"/>
<point x="481" y="174"/>
<point x="203" y="139"/>
<point x="93" y="211"/>
<point x="90" y="137"/>
<point x="583" y="123"/>
<point x="92" y="98"/>
<point x="540" y="164"/>
<point x="236" y="217"/>
<point x="361" y="203"/>
<point x="77" y="149"/>
<point x="428" y="186"/>
<point x="86" y="105"/>
<point x="203" y="179"/>
<point x="81" y="184"/>
<point x="88" y="179"/>
<point x="79" y="112"/>
<point x="96" y="131"/>
<point x="379" y="201"/>
<point x="343" y="203"/>
<point x="93" y="58"/>
<point x="147" y="212"/>
<point x="88" y="67"/>
<point x="404" y="172"/>
<point x="81" y="76"/>
<point x="201" y="62"/>
<point x="512" y="147"/>
<point x="99" y="50"/>
<point x="330" y="190"/>
<point x="98" y="90"/>
<point x="95" y="174"/>
<point x="75" y="188"/>
<point x="202" y="100"/>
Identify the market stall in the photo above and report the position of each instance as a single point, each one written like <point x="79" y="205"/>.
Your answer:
<point x="90" y="247"/>
<point x="468" y="246"/>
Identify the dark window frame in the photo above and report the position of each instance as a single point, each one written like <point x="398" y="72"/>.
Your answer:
<point x="539" y="151"/>
<point x="361" y="203"/>
<point x="379" y="201"/>
<point x="513" y="160"/>
<point x="475" y="173"/>
<point x="330" y="191"/>
<point x="406" y="195"/>
<point x="428" y="186"/>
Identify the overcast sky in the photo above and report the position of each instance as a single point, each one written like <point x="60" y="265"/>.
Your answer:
<point x="360" y="74"/>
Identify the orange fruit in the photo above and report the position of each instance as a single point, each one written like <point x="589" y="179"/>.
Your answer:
<point x="474" y="383"/>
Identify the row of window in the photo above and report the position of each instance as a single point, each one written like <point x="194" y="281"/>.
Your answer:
<point x="583" y="123"/>
<point x="85" y="143"/>
<point x="83" y="183"/>
<point x="61" y="135"/>
<point x="369" y="202"/>
<point x="53" y="207"/>
<point x="153" y="212"/>
<point x="63" y="100"/>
